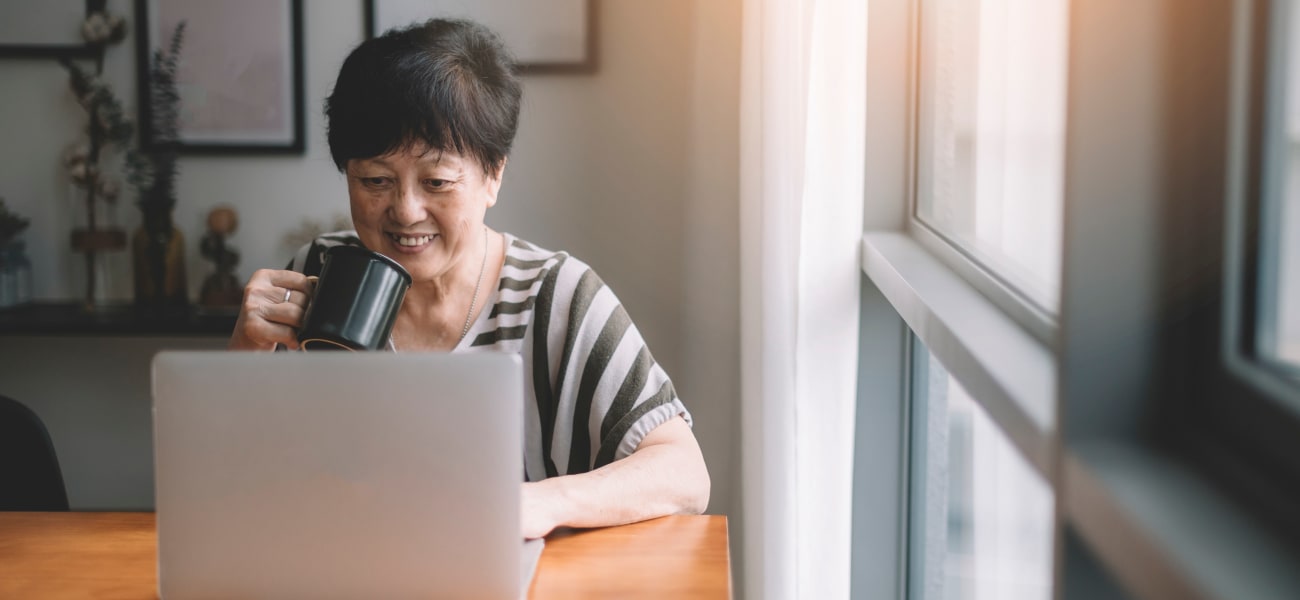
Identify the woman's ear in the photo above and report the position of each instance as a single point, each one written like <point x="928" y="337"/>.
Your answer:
<point x="494" y="183"/>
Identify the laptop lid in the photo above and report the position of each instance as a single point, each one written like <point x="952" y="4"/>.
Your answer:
<point x="338" y="474"/>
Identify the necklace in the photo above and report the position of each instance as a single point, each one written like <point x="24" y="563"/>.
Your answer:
<point x="392" y="342"/>
<point x="474" y="300"/>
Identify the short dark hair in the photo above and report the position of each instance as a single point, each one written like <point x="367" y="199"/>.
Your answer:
<point x="443" y="84"/>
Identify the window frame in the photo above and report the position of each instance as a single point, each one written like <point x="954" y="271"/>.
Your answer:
<point x="893" y="63"/>
<point x="879" y="541"/>
<point x="919" y="510"/>
<point x="1010" y="405"/>
<point x="1011" y="410"/>
<point x="1025" y="311"/>
<point x="1260" y="292"/>
<point x="1138" y="427"/>
<point x="1000" y="290"/>
<point x="1254" y="196"/>
<point x="1248" y="445"/>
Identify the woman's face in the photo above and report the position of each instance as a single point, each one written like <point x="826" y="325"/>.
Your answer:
<point x="423" y="209"/>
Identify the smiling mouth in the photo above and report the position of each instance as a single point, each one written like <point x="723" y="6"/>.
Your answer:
<point x="411" y="241"/>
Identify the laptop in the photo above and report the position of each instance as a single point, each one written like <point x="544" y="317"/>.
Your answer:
<point x="339" y="475"/>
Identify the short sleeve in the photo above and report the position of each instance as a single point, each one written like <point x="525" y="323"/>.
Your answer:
<point x="607" y="392"/>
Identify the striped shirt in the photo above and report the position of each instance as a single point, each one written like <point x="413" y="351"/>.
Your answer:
<point x="593" y="390"/>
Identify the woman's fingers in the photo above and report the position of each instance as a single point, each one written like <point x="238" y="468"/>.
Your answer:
<point x="291" y="280"/>
<point x="285" y="313"/>
<point x="269" y="332"/>
<point x="274" y="304"/>
<point x="286" y="287"/>
<point x="296" y="298"/>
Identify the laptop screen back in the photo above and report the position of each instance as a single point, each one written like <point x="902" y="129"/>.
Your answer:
<point x="338" y="475"/>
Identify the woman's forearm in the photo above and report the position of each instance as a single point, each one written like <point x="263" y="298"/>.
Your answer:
<point x="665" y="476"/>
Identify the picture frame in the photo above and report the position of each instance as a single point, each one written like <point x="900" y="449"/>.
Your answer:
<point x="556" y="36"/>
<point x="45" y="29"/>
<point x="240" y="75"/>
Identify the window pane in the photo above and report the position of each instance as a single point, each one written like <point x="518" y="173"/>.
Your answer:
<point x="1280" y="323"/>
<point x="981" y="517"/>
<point x="1287" y="349"/>
<point x="992" y="135"/>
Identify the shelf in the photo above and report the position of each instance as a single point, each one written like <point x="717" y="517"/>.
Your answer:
<point x="71" y="319"/>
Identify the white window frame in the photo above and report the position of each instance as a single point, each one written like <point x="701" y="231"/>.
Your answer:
<point x="956" y="256"/>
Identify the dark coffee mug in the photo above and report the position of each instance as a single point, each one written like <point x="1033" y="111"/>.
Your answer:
<point x="355" y="302"/>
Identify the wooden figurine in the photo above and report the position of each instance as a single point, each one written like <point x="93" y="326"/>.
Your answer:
<point x="222" y="288"/>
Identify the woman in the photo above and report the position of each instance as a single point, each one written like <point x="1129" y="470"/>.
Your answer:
<point x="421" y="121"/>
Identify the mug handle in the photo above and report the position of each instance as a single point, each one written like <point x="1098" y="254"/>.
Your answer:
<point x="312" y="281"/>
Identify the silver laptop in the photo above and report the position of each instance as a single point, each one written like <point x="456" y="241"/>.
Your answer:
<point x="339" y="475"/>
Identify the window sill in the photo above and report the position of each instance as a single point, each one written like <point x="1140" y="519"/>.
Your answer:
<point x="1165" y="533"/>
<point x="1009" y="372"/>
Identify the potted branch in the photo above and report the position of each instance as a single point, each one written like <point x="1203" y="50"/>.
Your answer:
<point x="107" y="127"/>
<point x="158" y="248"/>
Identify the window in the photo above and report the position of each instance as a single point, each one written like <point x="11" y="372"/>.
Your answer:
<point x="1286" y="348"/>
<point x="981" y="517"/>
<point x="1263" y="286"/>
<point x="992" y="136"/>
<point x="1278" y="325"/>
<point x="1167" y="263"/>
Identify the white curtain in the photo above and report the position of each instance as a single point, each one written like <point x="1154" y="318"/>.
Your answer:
<point x="803" y="96"/>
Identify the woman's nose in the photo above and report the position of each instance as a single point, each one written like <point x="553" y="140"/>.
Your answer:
<point x="407" y="207"/>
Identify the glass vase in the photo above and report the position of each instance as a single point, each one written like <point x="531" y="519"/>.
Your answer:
<point x="95" y="243"/>
<point x="20" y="272"/>
<point x="15" y="275"/>
<point x="158" y="260"/>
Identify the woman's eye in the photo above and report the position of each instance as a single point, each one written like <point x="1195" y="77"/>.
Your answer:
<point x="437" y="184"/>
<point x="374" y="181"/>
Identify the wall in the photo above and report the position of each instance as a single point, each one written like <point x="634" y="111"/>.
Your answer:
<point x="632" y="169"/>
<point x="710" y="376"/>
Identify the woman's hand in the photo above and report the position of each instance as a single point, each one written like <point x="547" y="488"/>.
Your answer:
<point x="537" y="510"/>
<point x="272" y="312"/>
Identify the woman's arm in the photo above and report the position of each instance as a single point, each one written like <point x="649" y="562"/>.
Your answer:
<point x="666" y="475"/>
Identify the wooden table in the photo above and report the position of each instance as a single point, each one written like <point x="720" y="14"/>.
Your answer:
<point x="113" y="555"/>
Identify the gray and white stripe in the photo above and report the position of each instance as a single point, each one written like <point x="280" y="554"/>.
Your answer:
<point x="593" y="390"/>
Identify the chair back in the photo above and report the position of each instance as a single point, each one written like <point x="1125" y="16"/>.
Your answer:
<point x="30" y="478"/>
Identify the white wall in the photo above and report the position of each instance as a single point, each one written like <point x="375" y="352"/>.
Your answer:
<point x="632" y="169"/>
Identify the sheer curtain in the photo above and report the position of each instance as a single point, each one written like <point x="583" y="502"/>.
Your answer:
<point x="803" y="94"/>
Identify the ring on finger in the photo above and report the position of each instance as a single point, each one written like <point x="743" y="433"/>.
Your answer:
<point x="287" y="293"/>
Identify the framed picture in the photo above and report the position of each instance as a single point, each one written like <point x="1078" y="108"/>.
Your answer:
<point x="240" y="74"/>
<point x="555" y="36"/>
<point x="49" y="28"/>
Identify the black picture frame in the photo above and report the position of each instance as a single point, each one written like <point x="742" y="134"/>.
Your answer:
<point x="213" y="141"/>
<point x="26" y="49"/>
<point x="587" y="65"/>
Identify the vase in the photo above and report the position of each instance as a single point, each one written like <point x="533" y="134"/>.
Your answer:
<point x="158" y="258"/>
<point x="94" y="236"/>
<point x="20" y="269"/>
<point x="15" y="275"/>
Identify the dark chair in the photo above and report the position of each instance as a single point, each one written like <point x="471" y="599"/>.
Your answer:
<point x="30" y="478"/>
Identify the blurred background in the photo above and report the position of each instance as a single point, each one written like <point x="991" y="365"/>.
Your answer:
<point x="630" y="164"/>
<point x="1004" y="295"/>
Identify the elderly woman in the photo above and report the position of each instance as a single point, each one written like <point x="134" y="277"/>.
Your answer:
<point x="421" y="121"/>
